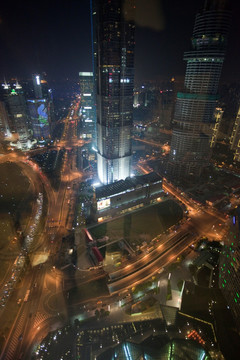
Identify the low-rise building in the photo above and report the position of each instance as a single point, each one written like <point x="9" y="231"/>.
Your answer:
<point x="127" y="195"/>
<point x="214" y="200"/>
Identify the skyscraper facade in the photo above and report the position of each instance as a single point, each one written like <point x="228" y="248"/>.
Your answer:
<point x="235" y="138"/>
<point x="88" y="107"/>
<point x="40" y="108"/>
<point x="229" y="267"/>
<point x="4" y="121"/>
<point x="218" y="114"/>
<point x="17" y="110"/>
<point x="37" y="87"/>
<point x="40" y="86"/>
<point x="114" y="31"/>
<point x="39" y="116"/>
<point x="195" y="105"/>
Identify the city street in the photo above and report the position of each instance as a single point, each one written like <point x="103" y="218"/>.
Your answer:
<point x="24" y="330"/>
<point x="36" y="316"/>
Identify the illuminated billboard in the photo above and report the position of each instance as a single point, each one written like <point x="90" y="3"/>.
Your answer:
<point x="103" y="204"/>
<point x="38" y="110"/>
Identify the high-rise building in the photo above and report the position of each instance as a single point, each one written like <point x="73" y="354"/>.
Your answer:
<point x="218" y="114"/>
<point x="88" y="107"/>
<point x="17" y="110"/>
<point x="229" y="267"/>
<point x="195" y="105"/>
<point x="235" y="138"/>
<point x="40" y="86"/>
<point x="40" y="108"/>
<point x="4" y="121"/>
<point x="39" y="114"/>
<point x="37" y="87"/>
<point x="114" y="32"/>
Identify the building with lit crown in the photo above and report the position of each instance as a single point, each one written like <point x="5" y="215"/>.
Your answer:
<point x="40" y="108"/>
<point x="195" y="105"/>
<point x="17" y="110"/>
<point x="114" y="72"/>
<point x="37" y="86"/>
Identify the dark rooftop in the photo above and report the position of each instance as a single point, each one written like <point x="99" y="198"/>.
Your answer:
<point x="124" y="185"/>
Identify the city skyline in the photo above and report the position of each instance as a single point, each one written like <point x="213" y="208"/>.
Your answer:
<point x="48" y="40"/>
<point x="119" y="196"/>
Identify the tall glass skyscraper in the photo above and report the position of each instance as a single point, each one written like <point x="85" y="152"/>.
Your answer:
<point x="88" y="107"/>
<point x="40" y="108"/>
<point x="235" y="137"/>
<point x="114" y="31"/>
<point x="4" y="121"/>
<point x="195" y="105"/>
<point x="17" y="111"/>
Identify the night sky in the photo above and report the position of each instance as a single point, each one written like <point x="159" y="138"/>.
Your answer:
<point x="55" y="37"/>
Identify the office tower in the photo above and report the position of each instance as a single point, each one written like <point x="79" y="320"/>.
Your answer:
<point x="229" y="268"/>
<point x="218" y="114"/>
<point x="235" y="138"/>
<point x="88" y="107"/>
<point x="195" y="105"/>
<point x="165" y="106"/>
<point x="39" y="115"/>
<point x="114" y="31"/>
<point x="40" y="108"/>
<point x="93" y="5"/>
<point x="17" y="110"/>
<point x="136" y="99"/>
<point x="4" y="121"/>
<point x="230" y="99"/>
<point x="40" y="86"/>
<point x="37" y="87"/>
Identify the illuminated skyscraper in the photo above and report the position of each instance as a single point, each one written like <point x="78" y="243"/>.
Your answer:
<point x="235" y="138"/>
<point x="88" y="107"/>
<point x="218" y="114"/>
<point x="4" y="121"/>
<point x="229" y="267"/>
<point x="39" y="114"/>
<point x="40" y="108"/>
<point x="37" y="86"/>
<point x="195" y="105"/>
<point x="17" y="110"/>
<point x="114" y="31"/>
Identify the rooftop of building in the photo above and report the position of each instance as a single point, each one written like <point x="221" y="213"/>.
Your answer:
<point x="215" y="198"/>
<point x="127" y="184"/>
<point x="158" y="347"/>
